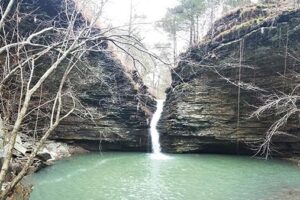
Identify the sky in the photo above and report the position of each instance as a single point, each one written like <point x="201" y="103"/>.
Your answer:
<point x="117" y="13"/>
<point x="118" y="10"/>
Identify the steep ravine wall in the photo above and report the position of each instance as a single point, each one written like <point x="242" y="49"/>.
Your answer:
<point x="204" y="111"/>
<point x="122" y="110"/>
<point x="116" y="106"/>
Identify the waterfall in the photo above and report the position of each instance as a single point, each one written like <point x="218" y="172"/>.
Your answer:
<point x="156" y="149"/>
<point x="153" y="130"/>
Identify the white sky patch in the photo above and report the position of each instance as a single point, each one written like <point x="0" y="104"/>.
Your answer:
<point x="117" y="13"/>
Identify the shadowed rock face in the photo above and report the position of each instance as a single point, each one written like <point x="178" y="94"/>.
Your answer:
<point x="120" y="103"/>
<point x="122" y="111"/>
<point x="203" y="111"/>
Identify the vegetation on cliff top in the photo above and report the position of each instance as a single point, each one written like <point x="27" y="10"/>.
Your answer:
<point x="254" y="52"/>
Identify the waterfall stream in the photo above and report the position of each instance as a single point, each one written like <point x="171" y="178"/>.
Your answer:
<point x="156" y="149"/>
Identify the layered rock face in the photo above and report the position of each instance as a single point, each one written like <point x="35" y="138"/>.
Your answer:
<point x="120" y="105"/>
<point x="205" y="111"/>
<point x="114" y="108"/>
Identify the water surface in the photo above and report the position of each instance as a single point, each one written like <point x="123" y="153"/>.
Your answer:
<point x="135" y="176"/>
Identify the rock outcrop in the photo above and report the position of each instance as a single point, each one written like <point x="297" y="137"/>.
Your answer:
<point x="256" y="48"/>
<point x="121" y="108"/>
<point x="115" y="106"/>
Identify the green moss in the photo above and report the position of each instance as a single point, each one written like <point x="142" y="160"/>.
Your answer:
<point x="186" y="86"/>
<point x="243" y="26"/>
<point x="256" y="21"/>
<point x="262" y="6"/>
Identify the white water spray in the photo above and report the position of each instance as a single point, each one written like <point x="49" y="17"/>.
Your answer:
<point x="156" y="149"/>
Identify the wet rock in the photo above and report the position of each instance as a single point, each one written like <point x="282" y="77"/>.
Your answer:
<point x="44" y="156"/>
<point x="286" y="193"/>
<point x="56" y="150"/>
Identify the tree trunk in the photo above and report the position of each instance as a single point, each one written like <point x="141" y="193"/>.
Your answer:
<point x="175" y="48"/>
<point x="197" y="29"/>
<point x="192" y="31"/>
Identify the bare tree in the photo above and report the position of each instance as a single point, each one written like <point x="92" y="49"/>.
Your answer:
<point x="39" y="56"/>
<point x="49" y="50"/>
<point x="285" y="107"/>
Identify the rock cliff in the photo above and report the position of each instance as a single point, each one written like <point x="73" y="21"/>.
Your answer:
<point x="121" y="108"/>
<point x="256" y="48"/>
<point x="115" y="106"/>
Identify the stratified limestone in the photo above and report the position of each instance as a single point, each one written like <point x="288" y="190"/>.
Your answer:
<point x="117" y="106"/>
<point x="203" y="111"/>
<point x="122" y="111"/>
